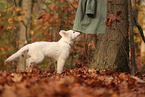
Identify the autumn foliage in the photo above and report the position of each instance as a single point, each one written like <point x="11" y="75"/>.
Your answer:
<point x="80" y="82"/>
<point x="45" y="24"/>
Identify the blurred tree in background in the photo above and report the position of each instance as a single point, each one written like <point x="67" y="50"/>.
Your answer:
<point x="24" y="31"/>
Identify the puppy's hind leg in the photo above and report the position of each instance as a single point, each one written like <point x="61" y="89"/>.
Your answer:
<point x="35" y="59"/>
<point x="29" y="66"/>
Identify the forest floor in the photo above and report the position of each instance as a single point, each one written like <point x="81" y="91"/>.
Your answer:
<point x="79" y="82"/>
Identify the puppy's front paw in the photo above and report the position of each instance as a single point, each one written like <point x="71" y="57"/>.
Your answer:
<point x="29" y="69"/>
<point x="58" y="75"/>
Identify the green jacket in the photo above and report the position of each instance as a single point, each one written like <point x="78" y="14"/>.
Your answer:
<point x="90" y="17"/>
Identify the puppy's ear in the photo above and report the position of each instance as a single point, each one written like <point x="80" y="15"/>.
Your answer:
<point x="62" y="33"/>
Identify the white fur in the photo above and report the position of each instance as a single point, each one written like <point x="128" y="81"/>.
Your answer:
<point x="59" y="51"/>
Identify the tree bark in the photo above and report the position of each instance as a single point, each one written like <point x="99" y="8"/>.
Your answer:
<point x="132" y="46"/>
<point x="24" y="31"/>
<point x="142" y="43"/>
<point x="112" y="50"/>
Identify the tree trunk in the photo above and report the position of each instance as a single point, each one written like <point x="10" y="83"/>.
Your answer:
<point x="24" y="30"/>
<point x="136" y="7"/>
<point x="36" y="6"/>
<point x="112" y="50"/>
<point x="142" y="43"/>
<point x="132" y="46"/>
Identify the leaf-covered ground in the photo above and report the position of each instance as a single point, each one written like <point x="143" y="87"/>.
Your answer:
<point x="80" y="82"/>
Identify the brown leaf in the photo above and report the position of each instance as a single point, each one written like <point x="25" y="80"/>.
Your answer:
<point x="123" y="76"/>
<point x="108" y="23"/>
<point x="16" y="77"/>
<point x="42" y="15"/>
<point x="119" y="13"/>
<point x="111" y="16"/>
<point x="117" y="16"/>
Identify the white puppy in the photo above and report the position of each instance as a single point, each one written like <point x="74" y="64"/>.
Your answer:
<point x="59" y="51"/>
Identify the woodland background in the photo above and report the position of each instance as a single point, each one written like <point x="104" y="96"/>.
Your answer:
<point x="47" y="18"/>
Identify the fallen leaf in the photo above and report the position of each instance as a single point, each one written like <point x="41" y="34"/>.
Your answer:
<point x="16" y="77"/>
<point x="31" y="32"/>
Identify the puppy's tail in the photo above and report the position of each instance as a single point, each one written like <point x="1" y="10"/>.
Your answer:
<point x="17" y="54"/>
